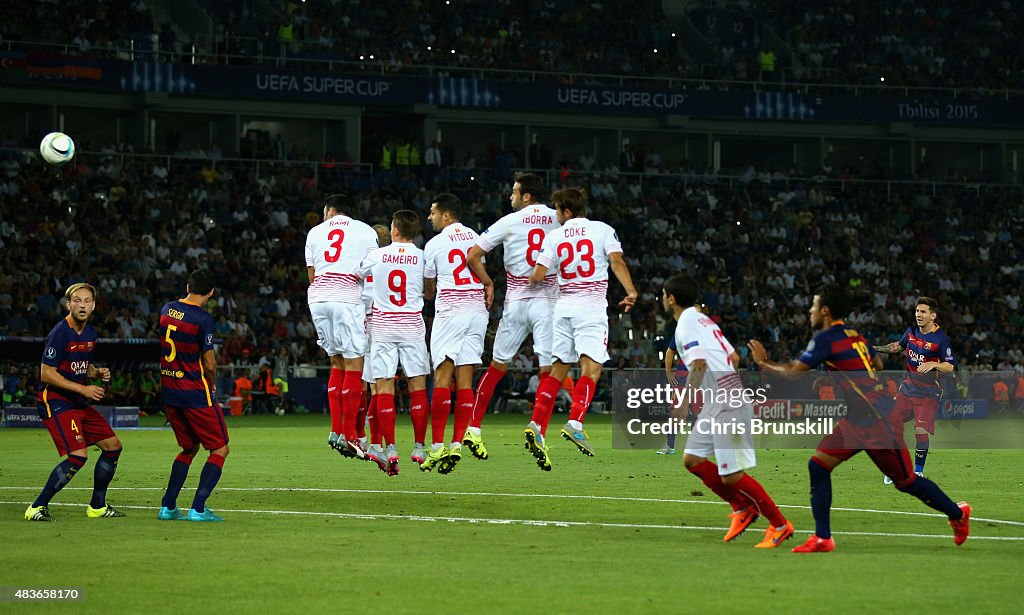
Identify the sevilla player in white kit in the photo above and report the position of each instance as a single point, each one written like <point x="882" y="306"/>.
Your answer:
<point x="582" y="251"/>
<point x="457" y="335"/>
<point x="723" y="430"/>
<point x="527" y="308"/>
<point x="368" y="411"/>
<point x="334" y="249"/>
<point x="398" y="335"/>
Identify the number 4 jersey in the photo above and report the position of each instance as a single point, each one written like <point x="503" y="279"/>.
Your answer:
<point x="334" y="249"/>
<point x="397" y="272"/>
<point x="445" y="258"/>
<point x="579" y="250"/>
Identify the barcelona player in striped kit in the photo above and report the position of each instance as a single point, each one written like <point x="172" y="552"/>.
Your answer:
<point x="188" y="369"/>
<point x="64" y="402"/>
<point x="870" y="424"/>
<point x="928" y="354"/>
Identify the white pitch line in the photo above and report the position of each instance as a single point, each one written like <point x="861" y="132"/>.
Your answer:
<point x="537" y="522"/>
<point x="533" y="495"/>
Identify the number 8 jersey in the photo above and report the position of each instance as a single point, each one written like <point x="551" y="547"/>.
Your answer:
<point x="579" y="251"/>
<point x="445" y="258"/>
<point x="334" y="249"/>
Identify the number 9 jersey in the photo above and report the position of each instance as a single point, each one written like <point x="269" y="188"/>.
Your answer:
<point x="579" y="250"/>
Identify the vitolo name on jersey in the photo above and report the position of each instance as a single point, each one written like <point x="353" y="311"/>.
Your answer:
<point x="460" y="236"/>
<point x="400" y="259"/>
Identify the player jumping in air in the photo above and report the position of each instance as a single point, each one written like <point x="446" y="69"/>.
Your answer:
<point x="583" y="251"/>
<point x="527" y="308"/>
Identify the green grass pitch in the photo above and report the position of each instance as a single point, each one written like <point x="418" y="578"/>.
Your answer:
<point x="625" y="531"/>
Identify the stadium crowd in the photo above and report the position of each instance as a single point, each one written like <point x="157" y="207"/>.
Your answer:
<point x="970" y="46"/>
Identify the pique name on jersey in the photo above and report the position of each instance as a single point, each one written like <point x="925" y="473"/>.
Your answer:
<point x="400" y="259"/>
<point x="538" y="220"/>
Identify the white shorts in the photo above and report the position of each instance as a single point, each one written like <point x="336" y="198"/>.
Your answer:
<point x="572" y="336"/>
<point x="719" y="437"/>
<point x="459" y="337"/>
<point x="386" y="356"/>
<point x="519" y="319"/>
<point x="339" y="328"/>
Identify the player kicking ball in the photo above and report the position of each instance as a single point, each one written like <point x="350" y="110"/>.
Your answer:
<point x="583" y="250"/>
<point x="711" y="365"/>
<point x="398" y="333"/>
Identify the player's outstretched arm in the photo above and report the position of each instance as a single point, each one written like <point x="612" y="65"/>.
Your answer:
<point x="892" y="348"/>
<point x="791" y="370"/>
<point x="621" y="271"/>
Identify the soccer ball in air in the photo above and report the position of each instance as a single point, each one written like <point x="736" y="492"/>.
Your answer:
<point x="279" y="412"/>
<point x="57" y="149"/>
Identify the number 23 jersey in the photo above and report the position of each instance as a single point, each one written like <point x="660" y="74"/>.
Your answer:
<point x="579" y="251"/>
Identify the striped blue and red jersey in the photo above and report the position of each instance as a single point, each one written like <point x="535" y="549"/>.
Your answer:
<point x="71" y="353"/>
<point x="924" y="348"/>
<point x="843" y="349"/>
<point x="186" y="332"/>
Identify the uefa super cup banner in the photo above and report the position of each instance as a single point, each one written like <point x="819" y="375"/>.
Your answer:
<point x="117" y="416"/>
<point x="544" y="95"/>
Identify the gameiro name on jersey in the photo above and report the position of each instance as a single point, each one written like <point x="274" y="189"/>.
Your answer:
<point x="186" y="332"/>
<point x="579" y="250"/>
<point x="70" y="352"/>
<point x="397" y="292"/>
<point x="445" y="256"/>
<point x="334" y="249"/>
<point x="522" y="234"/>
<point x="924" y="348"/>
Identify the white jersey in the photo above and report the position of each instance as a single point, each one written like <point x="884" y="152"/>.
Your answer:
<point x="397" y="271"/>
<point x="579" y="251"/>
<point x="698" y="337"/>
<point x="334" y="249"/>
<point x="522" y="233"/>
<point x="459" y="291"/>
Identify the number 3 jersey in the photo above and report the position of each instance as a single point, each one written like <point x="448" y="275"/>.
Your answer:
<point x="522" y="233"/>
<point x="334" y="249"/>
<point x="186" y="332"/>
<point x="445" y="258"/>
<point x="579" y="251"/>
<point x="397" y="292"/>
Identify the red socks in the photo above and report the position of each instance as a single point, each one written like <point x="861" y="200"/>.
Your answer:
<point x="707" y="472"/>
<point x="361" y="412"/>
<point x="463" y="413"/>
<point x="351" y="389"/>
<point x="544" y="402"/>
<point x="418" y="411"/>
<point x="753" y="490"/>
<point x="484" y="392"/>
<point x="440" y="408"/>
<point x="371" y="414"/>
<point x="582" y="395"/>
<point x="386" y="416"/>
<point x="334" y="383"/>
